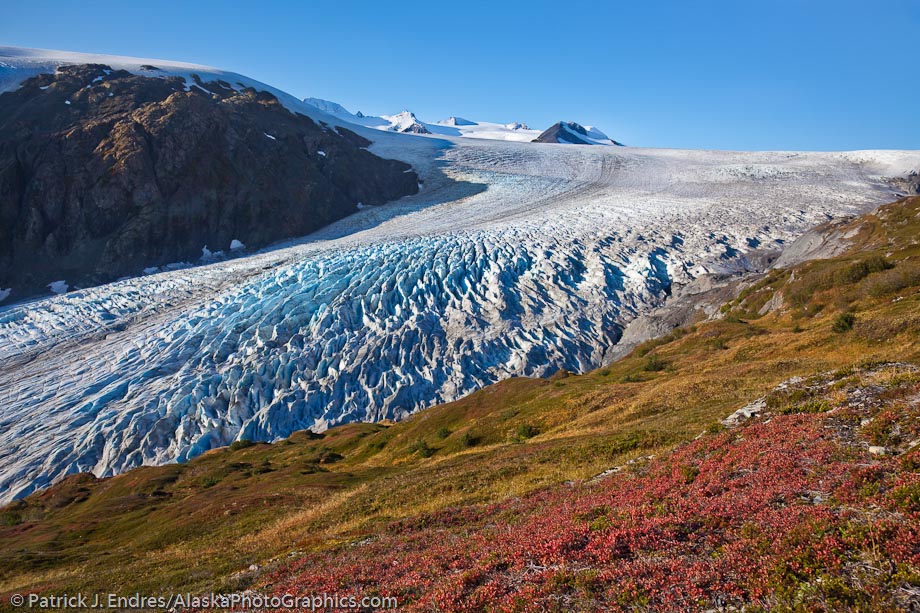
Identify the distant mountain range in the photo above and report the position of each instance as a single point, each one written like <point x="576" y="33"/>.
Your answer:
<point x="563" y="132"/>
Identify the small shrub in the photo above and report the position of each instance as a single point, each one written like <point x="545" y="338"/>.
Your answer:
<point x="857" y="271"/>
<point x="843" y="373"/>
<point x="264" y="467"/>
<point x="210" y="481"/>
<point x="311" y="468"/>
<point x="654" y="363"/>
<point x="908" y="497"/>
<point x="780" y="398"/>
<point x="421" y="448"/>
<point x="893" y="281"/>
<point x="600" y="523"/>
<point x="330" y="457"/>
<point x="526" y="431"/>
<point x="812" y="406"/>
<point x="905" y="378"/>
<point x="243" y="443"/>
<point x="689" y="473"/>
<point x="469" y="440"/>
<point x="443" y="432"/>
<point x="844" y="323"/>
<point x="911" y="462"/>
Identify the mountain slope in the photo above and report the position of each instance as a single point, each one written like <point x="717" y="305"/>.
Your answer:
<point x="325" y="499"/>
<point x="106" y="173"/>
<point x="17" y="64"/>
<point x="796" y="508"/>
<point x="562" y="132"/>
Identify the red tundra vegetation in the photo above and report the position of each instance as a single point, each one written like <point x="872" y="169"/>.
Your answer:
<point x="811" y="504"/>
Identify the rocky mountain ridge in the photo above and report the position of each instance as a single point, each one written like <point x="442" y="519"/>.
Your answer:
<point x="104" y="173"/>
<point x="407" y="122"/>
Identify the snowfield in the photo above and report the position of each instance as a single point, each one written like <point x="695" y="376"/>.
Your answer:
<point x="514" y="259"/>
<point x="408" y="122"/>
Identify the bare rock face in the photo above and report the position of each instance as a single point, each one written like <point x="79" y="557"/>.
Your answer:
<point x="825" y="241"/>
<point x="104" y="173"/>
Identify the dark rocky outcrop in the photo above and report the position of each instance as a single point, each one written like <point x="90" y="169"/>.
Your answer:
<point x="414" y="128"/>
<point x="569" y="132"/>
<point x="104" y="173"/>
<point x="557" y="133"/>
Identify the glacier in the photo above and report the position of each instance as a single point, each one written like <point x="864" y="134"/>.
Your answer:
<point x="515" y="259"/>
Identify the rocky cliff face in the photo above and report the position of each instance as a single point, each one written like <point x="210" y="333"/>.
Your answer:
<point x="103" y="173"/>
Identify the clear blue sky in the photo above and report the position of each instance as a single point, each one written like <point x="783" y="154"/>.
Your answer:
<point x="768" y="74"/>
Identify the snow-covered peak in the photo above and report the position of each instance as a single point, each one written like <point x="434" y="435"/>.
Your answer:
<point x="406" y="122"/>
<point x="569" y="132"/>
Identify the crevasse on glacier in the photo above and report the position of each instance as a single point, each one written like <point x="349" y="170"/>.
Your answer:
<point x="399" y="308"/>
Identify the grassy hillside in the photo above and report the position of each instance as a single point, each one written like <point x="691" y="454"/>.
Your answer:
<point x="201" y="525"/>
<point x="812" y="505"/>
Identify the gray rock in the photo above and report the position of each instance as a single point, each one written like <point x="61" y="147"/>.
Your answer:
<point x="825" y="241"/>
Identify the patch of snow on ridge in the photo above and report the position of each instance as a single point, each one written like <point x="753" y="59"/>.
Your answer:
<point x="456" y="121"/>
<point x="517" y="259"/>
<point x="58" y="287"/>
<point x="21" y="63"/>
